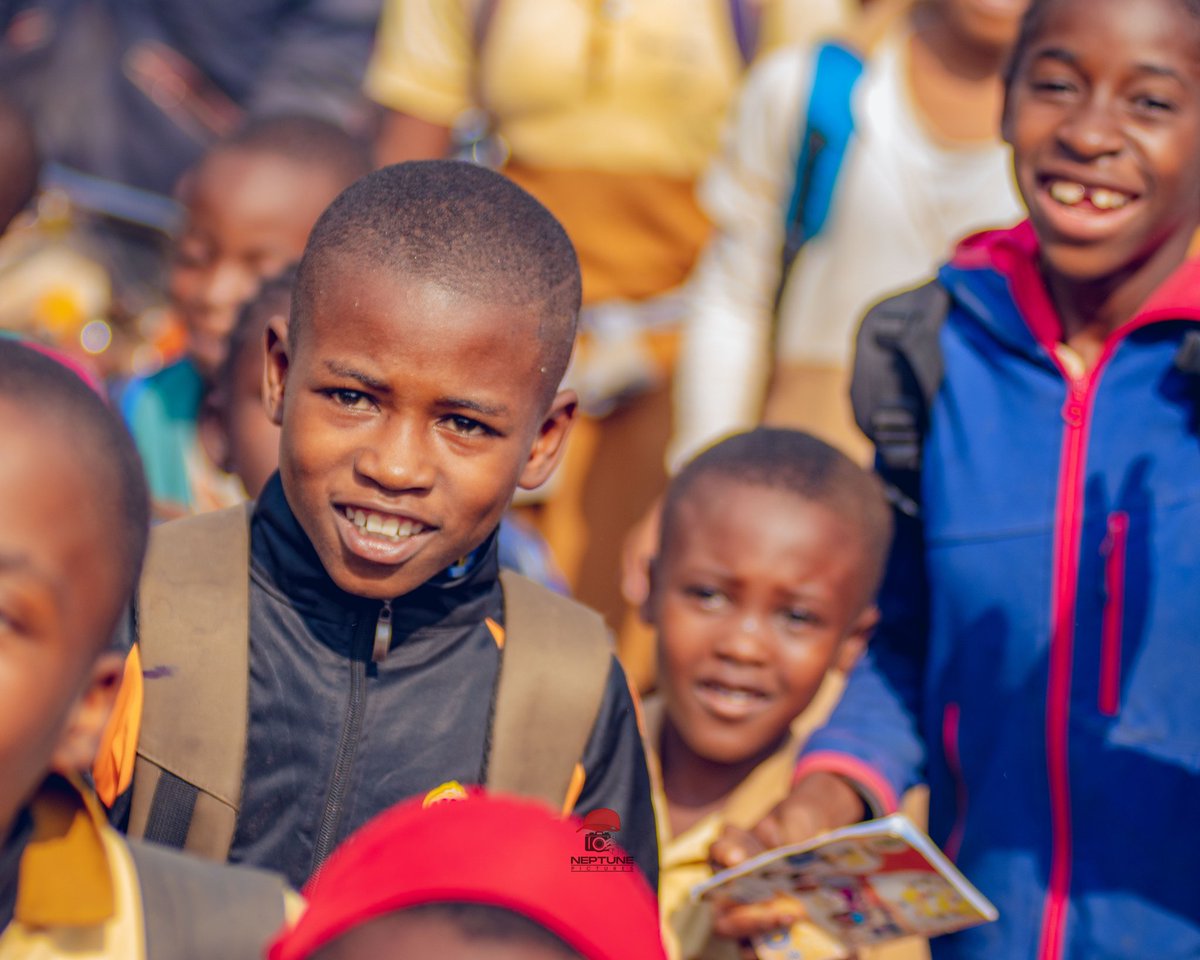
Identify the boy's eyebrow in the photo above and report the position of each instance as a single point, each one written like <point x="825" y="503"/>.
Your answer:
<point x="20" y="563"/>
<point x="1067" y="57"/>
<point x="462" y="403"/>
<point x="341" y="370"/>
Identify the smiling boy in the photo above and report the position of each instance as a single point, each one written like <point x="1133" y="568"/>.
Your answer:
<point x="416" y="388"/>
<point x="771" y="550"/>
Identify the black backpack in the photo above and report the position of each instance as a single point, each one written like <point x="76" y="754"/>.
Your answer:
<point x="897" y="371"/>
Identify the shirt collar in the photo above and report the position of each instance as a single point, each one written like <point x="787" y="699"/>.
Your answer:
<point x="66" y="842"/>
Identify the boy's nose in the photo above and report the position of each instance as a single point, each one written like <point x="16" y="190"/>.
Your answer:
<point x="1091" y="131"/>
<point x="746" y="640"/>
<point x="397" y="459"/>
<point x="228" y="286"/>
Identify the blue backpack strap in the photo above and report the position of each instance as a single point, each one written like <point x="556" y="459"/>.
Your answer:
<point x="828" y="126"/>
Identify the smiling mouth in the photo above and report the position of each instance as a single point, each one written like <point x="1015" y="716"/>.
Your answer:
<point x="387" y="526"/>
<point x="728" y="701"/>
<point x="1084" y="198"/>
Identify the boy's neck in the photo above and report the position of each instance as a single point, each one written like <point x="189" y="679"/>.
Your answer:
<point x="695" y="786"/>
<point x="955" y="83"/>
<point x="1091" y="311"/>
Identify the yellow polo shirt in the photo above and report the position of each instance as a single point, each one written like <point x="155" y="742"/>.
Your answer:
<point x="683" y="860"/>
<point x="610" y="109"/>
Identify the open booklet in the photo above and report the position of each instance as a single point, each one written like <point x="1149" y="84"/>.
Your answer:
<point x="864" y="884"/>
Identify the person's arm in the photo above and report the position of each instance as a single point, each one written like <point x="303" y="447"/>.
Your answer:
<point x="422" y="72"/>
<point x="726" y="353"/>
<point x="616" y="776"/>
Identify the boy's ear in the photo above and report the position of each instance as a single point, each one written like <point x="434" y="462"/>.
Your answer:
<point x="551" y="440"/>
<point x="856" y="639"/>
<point x="275" y="367"/>
<point x="648" y="608"/>
<point x="80" y="739"/>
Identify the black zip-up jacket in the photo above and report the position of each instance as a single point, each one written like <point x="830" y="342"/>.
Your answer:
<point x="335" y="738"/>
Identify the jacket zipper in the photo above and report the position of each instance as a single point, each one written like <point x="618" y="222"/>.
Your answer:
<point x="950" y="722"/>
<point x="351" y="728"/>
<point x="1114" y="613"/>
<point x="1076" y="413"/>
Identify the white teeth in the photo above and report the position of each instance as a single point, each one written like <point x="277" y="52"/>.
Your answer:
<point x="1068" y="193"/>
<point x="382" y="525"/>
<point x="1108" y="199"/>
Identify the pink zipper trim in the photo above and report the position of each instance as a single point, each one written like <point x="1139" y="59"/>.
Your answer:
<point x="869" y="780"/>
<point x="1114" y="614"/>
<point x="950" y="720"/>
<point x="1076" y="413"/>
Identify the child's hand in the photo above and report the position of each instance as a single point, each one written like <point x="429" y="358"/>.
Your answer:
<point x="818" y="803"/>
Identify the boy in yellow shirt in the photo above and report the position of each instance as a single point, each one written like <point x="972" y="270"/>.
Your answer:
<point x="771" y="551"/>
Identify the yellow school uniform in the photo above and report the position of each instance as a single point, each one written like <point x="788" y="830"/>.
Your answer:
<point x="683" y="861"/>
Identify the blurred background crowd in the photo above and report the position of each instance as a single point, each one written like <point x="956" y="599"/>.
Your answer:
<point x="163" y="159"/>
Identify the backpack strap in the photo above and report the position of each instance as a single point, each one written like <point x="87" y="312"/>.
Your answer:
<point x="555" y="668"/>
<point x="193" y="630"/>
<point x="897" y="371"/>
<point x="828" y="126"/>
<point x="195" y="910"/>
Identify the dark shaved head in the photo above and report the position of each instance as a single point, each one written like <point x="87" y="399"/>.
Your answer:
<point x="461" y="227"/>
<point x="72" y="415"/>
<point x="798" y="463"/>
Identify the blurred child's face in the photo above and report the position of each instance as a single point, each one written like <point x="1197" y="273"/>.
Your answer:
<point x="1103" y="115"/>
<point x="252" y="438"/>
<point x="58" y="601"/>
<point x="249" y="214"/>
<point x="990" y="24"/>
<point x="403" y="936"/>
<point x="758" y="593"/>
<point x="410" y="414"/>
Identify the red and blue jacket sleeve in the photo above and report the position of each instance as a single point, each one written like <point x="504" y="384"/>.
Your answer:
<point x="873" y="738"/>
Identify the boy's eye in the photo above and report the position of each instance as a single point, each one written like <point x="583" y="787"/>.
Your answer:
<point x="192" y="253"/>
<point x="796" y="617"/>
<point x="1151" y="104"/>
<point x="1052" y="86"/>
<point x="466" y="427"/>
<point x="350" y="399"/>
<point x="707" y="598"/>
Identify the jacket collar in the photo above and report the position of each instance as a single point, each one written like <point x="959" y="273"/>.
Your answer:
<point x="284" y="562"/>
<point x="996" y="277"/>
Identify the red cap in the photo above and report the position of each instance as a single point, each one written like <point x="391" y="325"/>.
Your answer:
<point x="496" y="850"/>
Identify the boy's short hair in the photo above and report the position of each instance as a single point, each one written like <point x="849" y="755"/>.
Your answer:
<point x="305" y="140"/>
<point x="483" y="922"/>
<point x="47" y="391"/>
<point x="799" y="463"/>
<point x="463" y="227"/>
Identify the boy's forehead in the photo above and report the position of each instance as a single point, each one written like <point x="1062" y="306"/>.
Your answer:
<point x="343" y="296"/>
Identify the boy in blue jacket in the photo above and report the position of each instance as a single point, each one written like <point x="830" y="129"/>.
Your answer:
<point x="1039" y="616"/>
